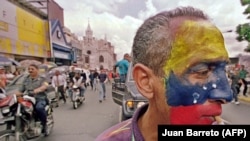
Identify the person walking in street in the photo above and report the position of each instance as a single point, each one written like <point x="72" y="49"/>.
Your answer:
<point x="91" y="78"/>
<point x="59" y="82"/>
<point x="123" y="66"/>
<point x="84" y="78"/>
<point x="103" y="78"/>
<point x="96" y="74"/>
<point x="235" y="82"/>
<point x="243" y="74"/>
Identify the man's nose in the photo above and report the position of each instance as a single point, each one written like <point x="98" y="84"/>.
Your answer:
<point x="222" y="96"/>
<point x="221" y="90"/>
<point x="222" y="101"/>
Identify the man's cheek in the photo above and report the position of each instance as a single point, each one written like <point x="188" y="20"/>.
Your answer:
<point x="182" y="115"/>
<point x="187" y="115"/>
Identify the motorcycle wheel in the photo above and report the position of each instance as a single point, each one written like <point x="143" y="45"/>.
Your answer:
<point x="75" y="105"/>
<point x="9" y="135"/>
<point x="50" y="124"/>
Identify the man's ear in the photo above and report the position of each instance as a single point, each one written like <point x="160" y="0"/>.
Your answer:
<point x="143" y="77"/>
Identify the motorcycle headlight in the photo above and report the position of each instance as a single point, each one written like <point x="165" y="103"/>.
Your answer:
<point x="5" y="110"/>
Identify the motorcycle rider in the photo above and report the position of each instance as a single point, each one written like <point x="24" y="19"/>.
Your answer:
<point x="79" y="82"/>
<point x="36" y="84"/>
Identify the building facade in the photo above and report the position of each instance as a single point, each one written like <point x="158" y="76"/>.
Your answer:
<point x="97" y="52"/>
<point x="34" y="30"/>
<point x="23" y="32"/>
<point x="55" y="11"/>
<point x="75" y="43"/>
<point x="62" y="53"/>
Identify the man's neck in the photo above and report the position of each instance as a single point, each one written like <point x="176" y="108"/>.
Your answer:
<point x="33" y="77"/>
<point x="148" y="123"/>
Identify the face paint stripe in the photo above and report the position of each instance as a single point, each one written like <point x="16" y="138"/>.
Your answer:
<point x="195" y="41"/>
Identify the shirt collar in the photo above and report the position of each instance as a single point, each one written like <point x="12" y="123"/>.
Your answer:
<point x="135" y="128"/>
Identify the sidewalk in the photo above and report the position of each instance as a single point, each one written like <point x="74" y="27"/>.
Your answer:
<point x="244" y="98"/>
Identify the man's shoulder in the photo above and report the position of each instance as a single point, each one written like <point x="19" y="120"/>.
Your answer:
<point x="124" y="61"/>
<point x="42" y="77"/>
<point x="118" y="132"/>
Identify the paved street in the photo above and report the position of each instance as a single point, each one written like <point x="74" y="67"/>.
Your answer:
<point x="86" y="122"/>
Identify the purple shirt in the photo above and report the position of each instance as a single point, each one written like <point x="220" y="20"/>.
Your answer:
<point x="127" y="130"/>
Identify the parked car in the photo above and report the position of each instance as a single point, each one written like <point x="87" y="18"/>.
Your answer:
<point x="127" y="96"/>
<point x="14" y="85"/>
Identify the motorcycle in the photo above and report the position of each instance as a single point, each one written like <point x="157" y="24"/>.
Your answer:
<point x="76" y="98"/>
<point x="21" y="120"/>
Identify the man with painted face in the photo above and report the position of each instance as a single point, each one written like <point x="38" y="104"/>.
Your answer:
<point x="179" y="60"/>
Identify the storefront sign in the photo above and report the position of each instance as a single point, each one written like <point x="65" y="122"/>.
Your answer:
<point x="62" y="55"/>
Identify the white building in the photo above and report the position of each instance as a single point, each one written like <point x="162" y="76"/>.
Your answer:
<point x="97" y="52"/>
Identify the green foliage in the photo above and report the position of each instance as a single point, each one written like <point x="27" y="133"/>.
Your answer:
<point x="243" y="30"/>
<point x="245" y="2"/>
<point x="247" y="10"/>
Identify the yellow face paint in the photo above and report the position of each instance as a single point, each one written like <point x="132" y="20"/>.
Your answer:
<point x="195" y="41"/>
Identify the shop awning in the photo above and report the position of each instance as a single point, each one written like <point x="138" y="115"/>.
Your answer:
<point x="4" y="61"/>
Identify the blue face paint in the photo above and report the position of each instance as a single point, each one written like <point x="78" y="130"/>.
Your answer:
<point x="182" y="92"/>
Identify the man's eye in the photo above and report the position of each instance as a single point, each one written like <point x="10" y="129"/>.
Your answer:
<point x="202" y="73"/>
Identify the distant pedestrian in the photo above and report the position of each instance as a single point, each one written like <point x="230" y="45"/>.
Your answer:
<point x="123" y="66"/>
<point x="243" y="74"/>
<point x="84" y="78"/>
<point x="103" y="78"/>
<point x="95" y="79"/>
<point x="235" y="80"/>
<point x="59" y="82"/>
<point x="91" y="79"/>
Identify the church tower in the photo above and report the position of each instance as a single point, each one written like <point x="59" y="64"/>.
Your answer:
<point x="89" y="32"/>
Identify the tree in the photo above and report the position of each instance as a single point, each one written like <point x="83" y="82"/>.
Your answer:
<point x="243" y="30"/>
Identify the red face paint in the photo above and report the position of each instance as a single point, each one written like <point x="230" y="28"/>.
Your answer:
<point x="195" y="114"/>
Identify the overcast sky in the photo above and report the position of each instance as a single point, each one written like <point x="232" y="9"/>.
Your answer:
<point x="119" y="19"/>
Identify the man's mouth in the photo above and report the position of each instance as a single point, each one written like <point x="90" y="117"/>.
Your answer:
<point x="196" y="114"/>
